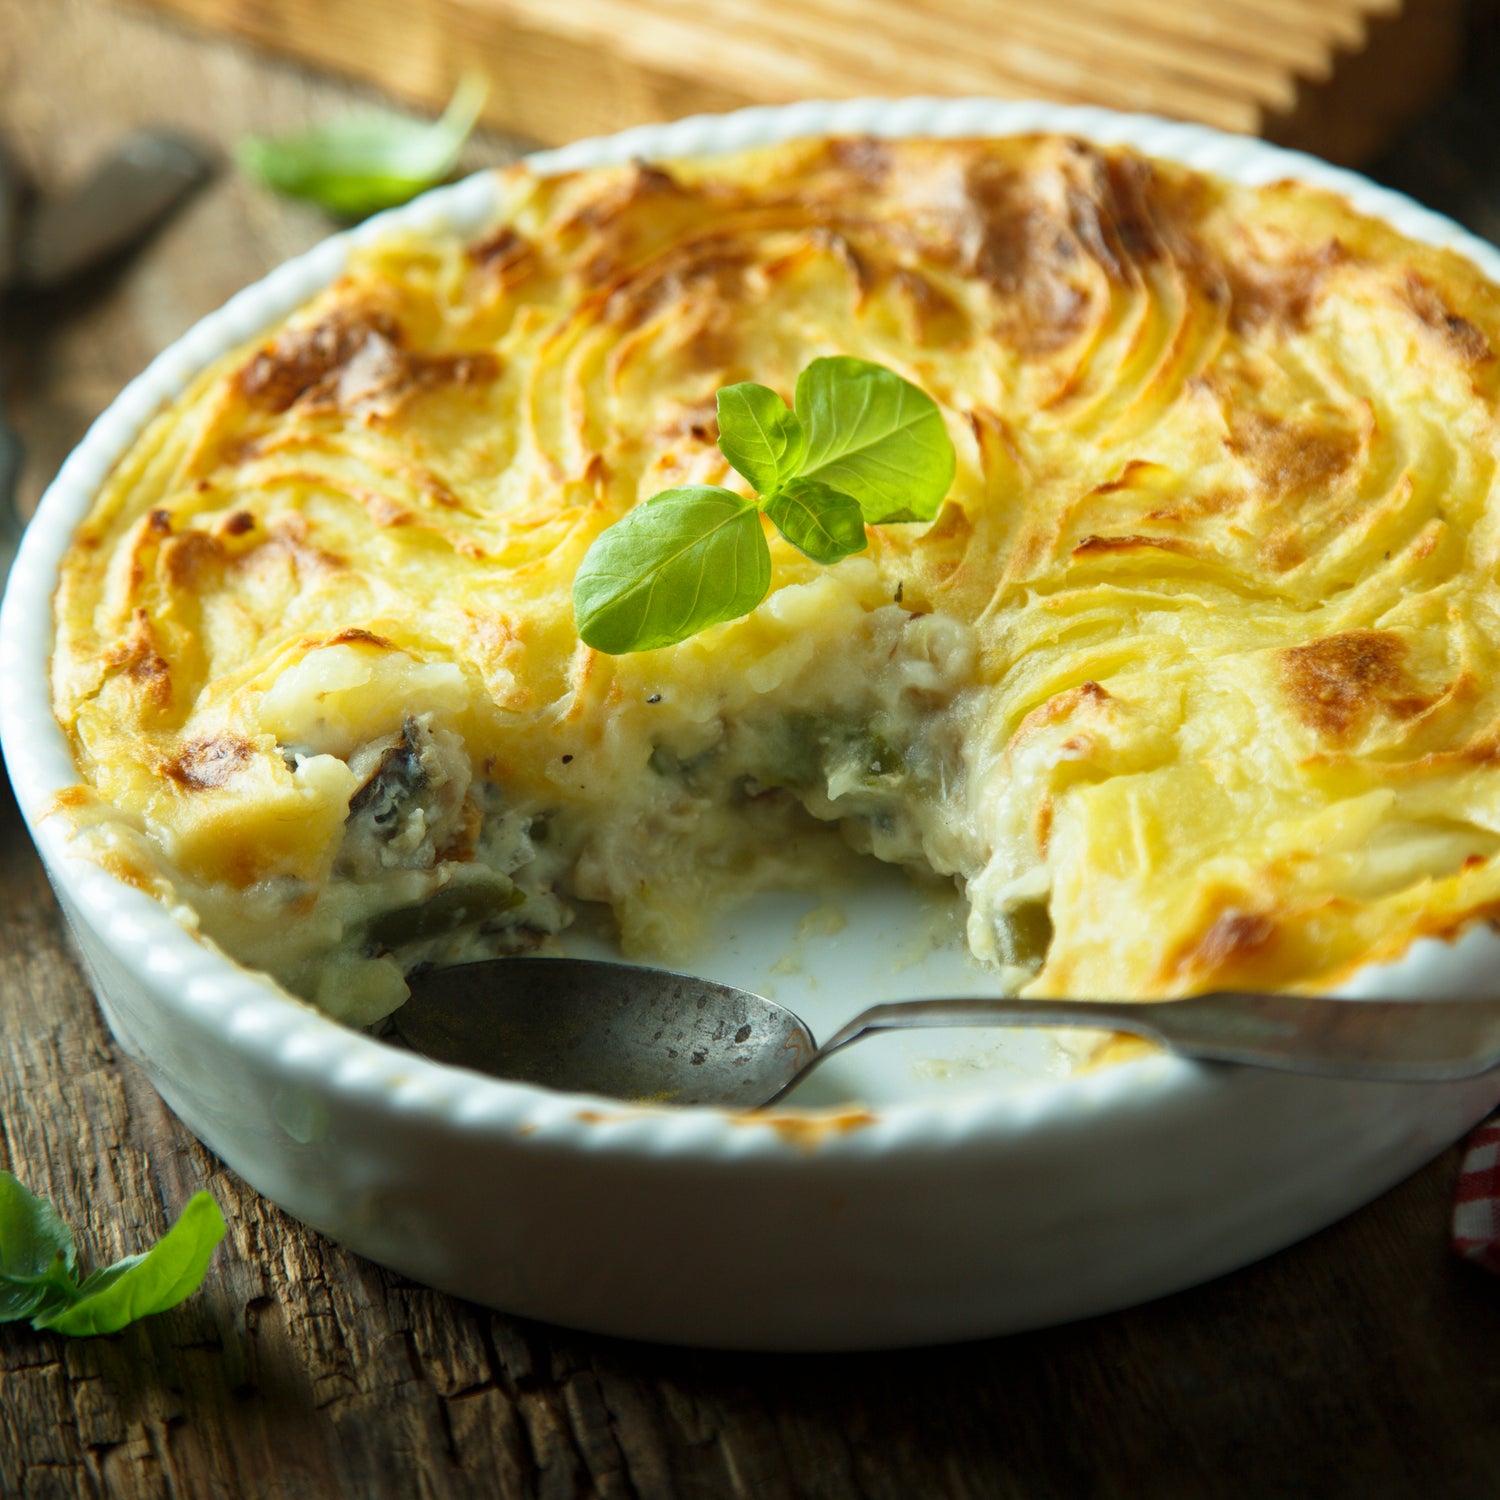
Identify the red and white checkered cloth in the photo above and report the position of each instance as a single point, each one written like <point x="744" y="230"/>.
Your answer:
<point x="1476" y="1204"/>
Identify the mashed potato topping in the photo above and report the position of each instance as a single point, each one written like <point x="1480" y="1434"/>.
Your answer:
<point x="1192" y="682"/>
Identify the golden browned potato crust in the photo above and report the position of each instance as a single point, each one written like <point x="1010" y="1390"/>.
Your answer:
<point x="1220" y="703"/>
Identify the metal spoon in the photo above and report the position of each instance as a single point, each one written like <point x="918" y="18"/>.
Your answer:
<point x="652" y="1036"/>
<point x="49" y="242"/>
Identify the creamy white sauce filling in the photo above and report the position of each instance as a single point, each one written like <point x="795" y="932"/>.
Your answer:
<point x="870" y="733"/>
<point x="877" y="744"/>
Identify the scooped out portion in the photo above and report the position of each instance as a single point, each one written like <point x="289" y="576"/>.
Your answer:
<point x="1192" y="681"/>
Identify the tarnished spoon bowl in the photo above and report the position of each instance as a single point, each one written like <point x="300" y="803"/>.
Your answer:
<point x="649" y="1035"/>
<point x="603" y="1028"/>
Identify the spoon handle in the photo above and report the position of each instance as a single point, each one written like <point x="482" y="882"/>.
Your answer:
<point x="1395" y="1040"/>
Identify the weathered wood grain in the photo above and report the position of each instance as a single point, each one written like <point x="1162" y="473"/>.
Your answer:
<point x="1363" y="1362"/>
<point x="1268" y="67"/>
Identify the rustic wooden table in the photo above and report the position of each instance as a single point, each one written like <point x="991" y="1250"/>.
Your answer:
<point x="1365" y="1361"/>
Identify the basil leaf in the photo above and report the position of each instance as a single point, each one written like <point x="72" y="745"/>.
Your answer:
<point x="37" y="1254"/>
<point x="25" y="1296"/>
<point x="32" y="1232"/>
<point x="143" y="1284"/>
<point x="819" y="521"/>
<point x="20" y="1300"/>
<point x="684" y="560"/>
<point x="876" y="437"/>
<point x="760" y="434"/>
<point x="363" y="162"/>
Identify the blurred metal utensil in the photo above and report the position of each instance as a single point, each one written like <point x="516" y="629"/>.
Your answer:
<point x="10" y="214"/>
<point x="10" y="444"/>
<point x="55" y="240"/>
<point x="122" y="200"/>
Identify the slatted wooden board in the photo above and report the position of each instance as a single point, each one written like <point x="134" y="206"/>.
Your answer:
<point x="1337" y="77"/>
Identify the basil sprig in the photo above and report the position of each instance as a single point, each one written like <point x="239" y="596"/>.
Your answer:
<point x="859" y="444"/>
<point x="39" y="1267"/>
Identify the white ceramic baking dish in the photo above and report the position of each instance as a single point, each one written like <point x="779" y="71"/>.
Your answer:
<point x="987" y="1205"/>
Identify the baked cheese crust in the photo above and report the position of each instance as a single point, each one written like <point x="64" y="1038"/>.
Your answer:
<point x="1191" y="683"/>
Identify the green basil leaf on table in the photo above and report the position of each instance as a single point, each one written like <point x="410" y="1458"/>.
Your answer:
<point x="37" y="1253"/>
<point x="362" y="162"/>
<point x="819" y="521"/>
<point x="875" y="436"/>
<point x="684" y="560"/>
<point x="760" y="434"/>
<point x="39" y="1267"/>
<point x="172" y="1269"/>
